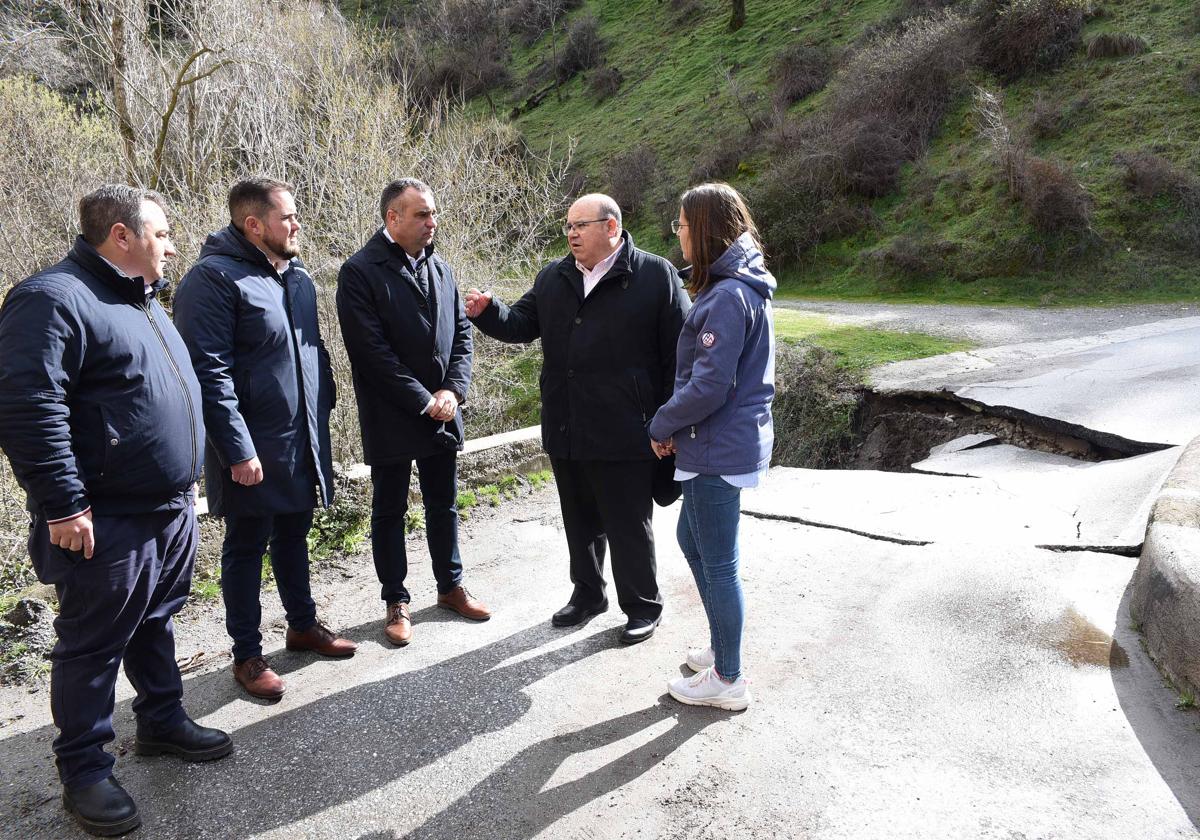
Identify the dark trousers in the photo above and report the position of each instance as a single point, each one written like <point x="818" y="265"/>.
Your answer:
<point x="246" y="541"/>
<point x="609" y="503"/>
<point x="115" y="607"/>
<point x="438" y="477"/>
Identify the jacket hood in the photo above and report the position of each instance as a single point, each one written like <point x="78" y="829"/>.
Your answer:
<point x="744" y="261"/>
<point x="229" y="242"/>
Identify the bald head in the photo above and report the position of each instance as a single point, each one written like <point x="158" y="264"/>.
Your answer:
<point x="599" y="206"/>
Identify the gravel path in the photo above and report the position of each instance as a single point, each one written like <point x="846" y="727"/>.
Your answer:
<point x="992" y="326"/>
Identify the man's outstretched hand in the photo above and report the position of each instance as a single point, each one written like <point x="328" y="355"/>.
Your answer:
<point x="477" y="301"/>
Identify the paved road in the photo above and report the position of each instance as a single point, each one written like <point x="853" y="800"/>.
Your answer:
<point x="1137" y="382"/>
<point x="952" y="690"/>
<point x="990" y="326"/>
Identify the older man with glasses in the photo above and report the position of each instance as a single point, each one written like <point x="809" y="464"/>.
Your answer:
<point x="608" y="315"/>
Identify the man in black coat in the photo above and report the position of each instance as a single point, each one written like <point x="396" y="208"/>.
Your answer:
<point x="248" y="313"/>
<point x="100" y="418"/>
<point x="409" y="344"/>
<point x="609" y="316"/>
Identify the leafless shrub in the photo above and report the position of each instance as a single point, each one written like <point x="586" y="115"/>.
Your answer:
<point x="911" y="255"/>
<point x="1191" y="81"/>
<point x="720" y="158"/>
<point x="583" y="48"/>
<point x="1054" y="200"/>
<point x="50" y="155"/>
<point x="604" y="82"/>
<point x="531" y="19"/>
<point x="1007" y="151"/>
<point x="1017" y="37"/>
<point x="329" y="117"/>
<point x="1116" y="45"/>
<point x="629" y="176"/>
<point x="906" y="79"/>
<point x="1148" y="175"/>
<point x="686" y="11"/>
<point x="800" y="70"/>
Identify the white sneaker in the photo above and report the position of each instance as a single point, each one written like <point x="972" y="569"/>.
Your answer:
<point x="707" y="689"/>
<point x="700" y="658"/>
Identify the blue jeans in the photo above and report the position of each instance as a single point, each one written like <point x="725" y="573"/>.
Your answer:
<point x="708" y="536"/>
<point x="246" y="541"/>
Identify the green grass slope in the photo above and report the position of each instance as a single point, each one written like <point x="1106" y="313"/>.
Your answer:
<point x="952" y="230"/>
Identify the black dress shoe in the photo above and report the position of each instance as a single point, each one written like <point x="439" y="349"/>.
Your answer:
<point x="103" y="809"/>
<point x="639" y="630"/>
<point x="189" y="741"/>
<point x="573" y="614"/>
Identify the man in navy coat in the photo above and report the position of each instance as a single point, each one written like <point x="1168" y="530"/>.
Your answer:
<point x="248" y="313"/>
<point x="100" y="417"/>
<point x="409" y="343"/>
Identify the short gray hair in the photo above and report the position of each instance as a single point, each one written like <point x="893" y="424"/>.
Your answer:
<point x="102" y="208"/>
<point x="605" y="206"/>
<point x="395" y="189"/>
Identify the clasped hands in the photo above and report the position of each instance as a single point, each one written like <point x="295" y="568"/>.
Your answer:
<point x="663" y="448"/>
<point x="445" y="404"/>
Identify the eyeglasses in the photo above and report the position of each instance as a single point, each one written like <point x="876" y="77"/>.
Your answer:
<point x="676" y="225"/>
<point x="573" y="226"/>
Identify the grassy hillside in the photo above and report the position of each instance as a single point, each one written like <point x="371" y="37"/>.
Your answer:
<point x="951" y="228"/>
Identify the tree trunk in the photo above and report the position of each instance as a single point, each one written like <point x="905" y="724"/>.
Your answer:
<point x="738" y="18"/>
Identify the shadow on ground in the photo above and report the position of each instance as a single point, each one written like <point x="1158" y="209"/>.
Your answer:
<point x="1169" y="736"/>
<point x="306" y="760"/>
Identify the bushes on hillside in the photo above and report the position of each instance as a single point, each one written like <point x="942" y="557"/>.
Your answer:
<point x="889" y="99"/>
<point x="1116" y="45"/>
<point x="907" y="79"/>
<point x="799" y="70"/>
<point x="582" y="50"/>
<point x="1019" y="37"/>
<point x="630" y="175"/>
<point x="1054" y="200"/>
<point x="604" y="82"/>
<point x="1149" y="176"/>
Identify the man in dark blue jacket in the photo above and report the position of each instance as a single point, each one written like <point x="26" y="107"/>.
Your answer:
<point x="100" y="417"/>
<point x="410" y="350"/>
<point x="248" y="313"/>
<point x="608" y="315"/>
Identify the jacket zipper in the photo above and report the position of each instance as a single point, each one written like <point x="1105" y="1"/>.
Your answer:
<point x="641" y="405"/>
<point x="179" y="378"/>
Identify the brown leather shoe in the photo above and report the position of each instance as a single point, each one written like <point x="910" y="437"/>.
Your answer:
<point x="256" y="676"/>
<point x="320" y="639"/>
<point x="465" y="604"/>
<point x="398" y="628"/>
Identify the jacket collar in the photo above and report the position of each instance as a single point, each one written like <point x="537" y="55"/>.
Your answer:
<point x="622" y="266"/>
<point x="380" y="250"/>
<point x="132" y="289"/>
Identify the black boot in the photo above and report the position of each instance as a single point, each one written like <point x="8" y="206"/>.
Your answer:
<point x="103" y="809"/>
<point x="189" y="741"/>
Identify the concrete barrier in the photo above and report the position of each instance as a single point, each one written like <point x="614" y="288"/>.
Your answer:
<point x="1166" y="586"/>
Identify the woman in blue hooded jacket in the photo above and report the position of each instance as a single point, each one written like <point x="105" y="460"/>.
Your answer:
<point x="718" y="422"/>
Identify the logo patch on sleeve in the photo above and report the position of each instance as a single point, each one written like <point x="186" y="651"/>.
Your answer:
<point x="708" y="339"/>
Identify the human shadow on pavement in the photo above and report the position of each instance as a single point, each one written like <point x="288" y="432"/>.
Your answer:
<point x="304" y="760"/>
<point x="512" y="801"/>
<point x="1167" y="735"/>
